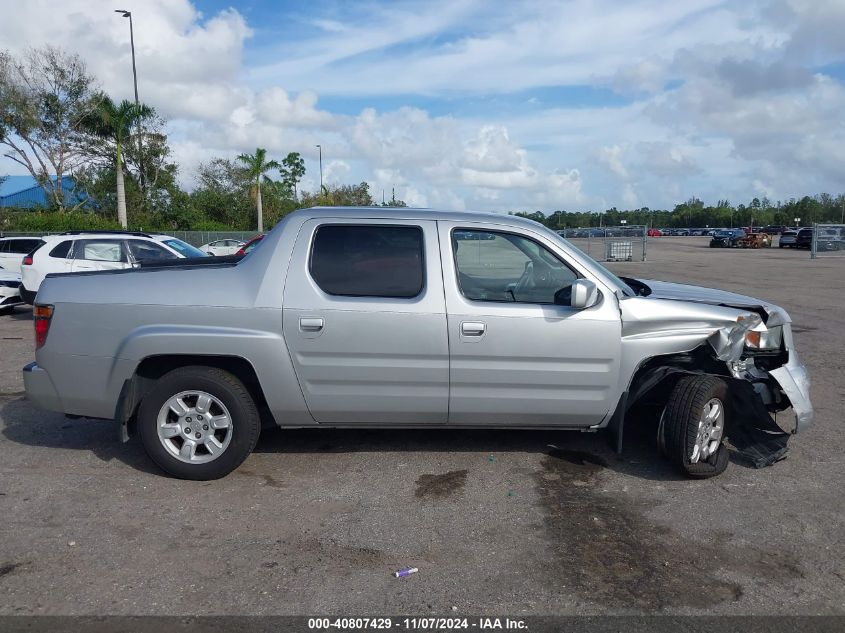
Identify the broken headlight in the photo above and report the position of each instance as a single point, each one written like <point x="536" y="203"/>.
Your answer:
<point x="766" y="340"/>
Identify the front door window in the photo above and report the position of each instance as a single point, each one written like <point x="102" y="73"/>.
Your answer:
<point x="505" y="267"/>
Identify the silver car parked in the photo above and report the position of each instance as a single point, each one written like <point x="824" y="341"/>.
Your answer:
<point x="362" y="317"/>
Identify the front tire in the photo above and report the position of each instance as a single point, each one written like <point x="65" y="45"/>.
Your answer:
<point x="692" y="428"/>
<point x="198" y="423"/>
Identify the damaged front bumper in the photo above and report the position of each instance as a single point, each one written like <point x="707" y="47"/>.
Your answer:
<point x="794" y="381"/>
<point x="792" y="377"/>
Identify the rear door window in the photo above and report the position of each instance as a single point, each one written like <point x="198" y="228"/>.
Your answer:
<point x="369" y="260"/>
<point x="100" y="250"/>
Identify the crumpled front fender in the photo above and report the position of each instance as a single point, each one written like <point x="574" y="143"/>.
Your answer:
<point x="729" y="342"/>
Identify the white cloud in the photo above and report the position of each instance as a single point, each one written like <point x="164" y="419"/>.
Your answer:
<point x="646" y="75"/>
<point x="611" y="157"/>
<point x="274" y="106"/>
<point x="629" y="196"/>
<point x="718" y="98"/>
<point x="664" y="159"/>
<point x="336" y="171"/>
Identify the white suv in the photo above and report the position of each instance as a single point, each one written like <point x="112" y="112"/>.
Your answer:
<point x="13" y="249"/>
<point x="78" y="251"/>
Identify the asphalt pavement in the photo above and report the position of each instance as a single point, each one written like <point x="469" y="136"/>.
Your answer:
<point x="498" y="522"/>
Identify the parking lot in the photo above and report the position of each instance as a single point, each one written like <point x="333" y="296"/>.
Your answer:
<point x="518" y="523"/>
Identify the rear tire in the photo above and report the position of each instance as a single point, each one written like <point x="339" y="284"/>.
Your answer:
<point x="219" y="423"/>
<point x="692" y="428"/>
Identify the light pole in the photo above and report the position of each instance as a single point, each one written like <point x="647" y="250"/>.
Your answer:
<point x="797" y="221"/>
<point x="320" y="148"/>
<point x="128" y="14"/>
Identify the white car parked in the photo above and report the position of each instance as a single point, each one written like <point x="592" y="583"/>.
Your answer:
<point x="222" y="247"/>
<point x="13" y="249"/>
<point x="77" y="251"/>
<point x="10" y="294"/>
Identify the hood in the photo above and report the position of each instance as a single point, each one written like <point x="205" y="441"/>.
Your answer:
<point x="712" y="296"/>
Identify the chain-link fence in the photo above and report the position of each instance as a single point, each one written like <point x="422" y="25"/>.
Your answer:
<point x="195" y="238"/>
<point x="611" y="243"/>
<point x="828" y="241"/>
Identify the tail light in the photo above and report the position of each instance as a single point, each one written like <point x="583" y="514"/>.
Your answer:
<point x="43" y="315"/>
<point x="27" y="261"/>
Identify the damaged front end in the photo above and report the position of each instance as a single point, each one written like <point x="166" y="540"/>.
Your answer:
<point x="767" y="379"/>
<point x="746" y="342"/>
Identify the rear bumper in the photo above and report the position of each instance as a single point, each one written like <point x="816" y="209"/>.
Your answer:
<point x="27" y="296"/>
<point x="9" y="296"/>
<point x="40" y="389"/>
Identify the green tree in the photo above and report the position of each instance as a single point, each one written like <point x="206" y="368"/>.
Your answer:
<point x="292" y="171"/>
<point x="114" y="122"/>
<point x="151" y="153"/>
<point x="257" y="166"/>
<point x="340" y="196"/>
<point x="45" y="97"/>
<point x="222" y="193"/>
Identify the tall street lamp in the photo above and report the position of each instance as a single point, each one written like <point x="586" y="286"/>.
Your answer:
<point x="128" y="14"/>
<point x="320" y="147"/>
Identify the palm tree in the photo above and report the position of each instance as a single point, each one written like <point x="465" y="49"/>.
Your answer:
<point x="256" y="166"/>
<point x="114" y="122"/>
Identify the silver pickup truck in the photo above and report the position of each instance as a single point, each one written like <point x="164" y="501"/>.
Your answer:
<point x="366" y="317"/>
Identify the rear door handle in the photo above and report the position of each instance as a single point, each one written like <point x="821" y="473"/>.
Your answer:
<point x="310" y="324"/>
<point x="472" y="328"/>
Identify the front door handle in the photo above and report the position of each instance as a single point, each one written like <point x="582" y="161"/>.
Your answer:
<point x="472" y="328"/>
<point x="311" y="324"/>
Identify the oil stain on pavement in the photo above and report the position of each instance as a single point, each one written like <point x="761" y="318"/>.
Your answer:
<point x="440" y="486"/>
<point x="8" y="568"/>
<point x="610" y="553"/>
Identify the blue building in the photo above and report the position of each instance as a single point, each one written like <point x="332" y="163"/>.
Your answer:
<point x="23" y="192"/>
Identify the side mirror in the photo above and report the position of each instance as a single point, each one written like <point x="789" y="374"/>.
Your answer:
<point x="582" y="294"/>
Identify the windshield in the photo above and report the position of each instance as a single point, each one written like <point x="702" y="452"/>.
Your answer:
<point x="183" y="248"/>
<point x="249" y="247"/>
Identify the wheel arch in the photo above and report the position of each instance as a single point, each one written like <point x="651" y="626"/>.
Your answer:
<point x="656" y="376"/>
<point x="153" y="367"/>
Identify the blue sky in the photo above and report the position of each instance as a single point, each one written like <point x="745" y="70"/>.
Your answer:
<point x="582" y="104"/>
